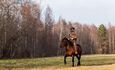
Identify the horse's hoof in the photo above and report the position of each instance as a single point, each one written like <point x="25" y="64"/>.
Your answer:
<point x="65" y="63"/>
<point x="73" y="65"/>
<point x="78" y="64"/>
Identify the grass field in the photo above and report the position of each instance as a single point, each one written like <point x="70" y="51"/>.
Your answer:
<point x="88" y="62"/>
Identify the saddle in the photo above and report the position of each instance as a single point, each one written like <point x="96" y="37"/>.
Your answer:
<point x="74" y="45"/>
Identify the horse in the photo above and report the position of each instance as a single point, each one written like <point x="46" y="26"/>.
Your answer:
<point x="70" y="50"/>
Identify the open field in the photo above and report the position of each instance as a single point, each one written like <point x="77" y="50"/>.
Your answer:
<point x="88" y="62"/>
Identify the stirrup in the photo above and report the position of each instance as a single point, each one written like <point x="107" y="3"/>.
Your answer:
<point x="76" y="52"/>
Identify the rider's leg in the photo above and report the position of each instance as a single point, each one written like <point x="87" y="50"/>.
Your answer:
<point x="75" y="47"/>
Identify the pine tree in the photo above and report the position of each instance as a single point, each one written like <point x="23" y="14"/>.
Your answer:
<point x="102" y="32"/>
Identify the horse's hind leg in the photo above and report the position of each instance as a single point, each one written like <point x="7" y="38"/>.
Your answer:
<point x="73" y="60"/>
<point x="65" y="59"/>
<point x="78" y="57"/>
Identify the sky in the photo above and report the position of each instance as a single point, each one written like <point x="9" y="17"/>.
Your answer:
<point x="83" y="11"/>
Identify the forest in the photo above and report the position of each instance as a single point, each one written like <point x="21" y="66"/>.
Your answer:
<point x="26" y="33"/>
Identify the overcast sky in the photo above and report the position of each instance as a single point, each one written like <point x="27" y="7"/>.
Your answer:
<point x="83" y="11"/>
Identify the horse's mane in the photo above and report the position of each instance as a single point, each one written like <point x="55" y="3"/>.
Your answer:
<point x="70" y="43"/>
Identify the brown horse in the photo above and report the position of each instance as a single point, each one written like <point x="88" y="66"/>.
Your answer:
<point x="70" y="50"/>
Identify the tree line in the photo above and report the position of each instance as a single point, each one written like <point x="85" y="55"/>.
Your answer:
<point x="24" y="33"/>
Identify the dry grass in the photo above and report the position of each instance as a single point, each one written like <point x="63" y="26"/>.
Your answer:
<point x="88" y="62"/>
<point x="101" y="67"/>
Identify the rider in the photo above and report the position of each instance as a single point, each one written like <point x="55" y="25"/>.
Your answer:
<point x="73" y="37"/>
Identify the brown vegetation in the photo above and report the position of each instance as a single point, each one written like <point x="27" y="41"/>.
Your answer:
<point x="24" y="34"/>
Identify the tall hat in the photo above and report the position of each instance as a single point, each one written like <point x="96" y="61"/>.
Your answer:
<point x="72" y="29"/>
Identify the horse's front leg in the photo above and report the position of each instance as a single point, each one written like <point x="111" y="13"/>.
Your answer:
<point x="65" y="59"/>
<point x="73" y="60"/>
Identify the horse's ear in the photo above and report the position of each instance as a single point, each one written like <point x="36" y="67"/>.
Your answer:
<point x="63" y="38"/>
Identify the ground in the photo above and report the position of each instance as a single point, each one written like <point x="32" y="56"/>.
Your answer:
<point x="88" y="62"/>
<point x="100" y="67"/>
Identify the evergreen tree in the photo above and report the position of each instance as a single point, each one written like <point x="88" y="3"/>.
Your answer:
<point x="102" y="32"/>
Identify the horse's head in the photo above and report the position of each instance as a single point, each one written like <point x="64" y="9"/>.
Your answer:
<point x="64" y="42"/>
